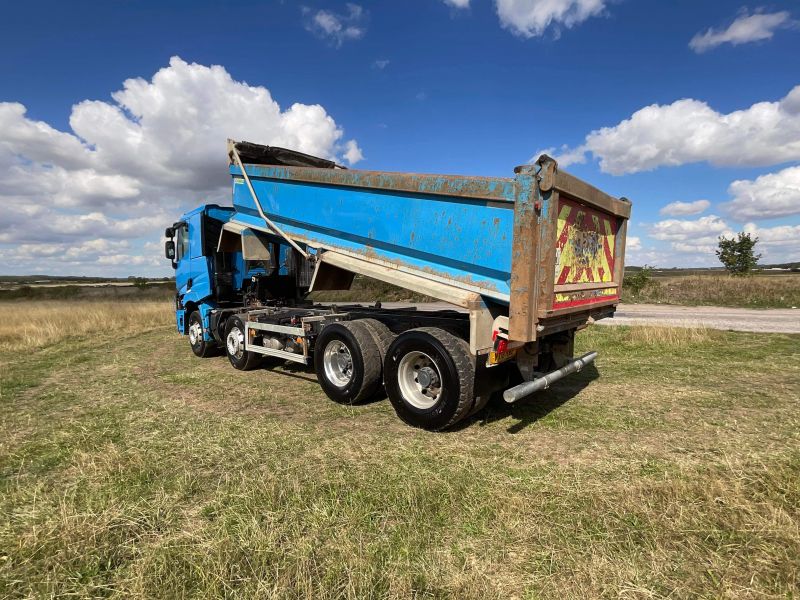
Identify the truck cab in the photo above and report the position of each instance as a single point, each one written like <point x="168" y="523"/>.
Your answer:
<point x="204" y="278"/>
<point x="219" y="266"/>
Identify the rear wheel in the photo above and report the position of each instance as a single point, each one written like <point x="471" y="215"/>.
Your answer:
<point x="200" y="347"/>
<point x="429" y="376"/>
<point x="240" y="358"/>
<point x="347" y="362"/>
<point x="381" y="335"/>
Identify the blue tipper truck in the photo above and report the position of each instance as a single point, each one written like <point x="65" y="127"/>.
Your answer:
<point x="526" y="260"/>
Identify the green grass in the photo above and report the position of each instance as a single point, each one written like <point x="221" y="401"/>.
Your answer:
<point x="130" y="468"/>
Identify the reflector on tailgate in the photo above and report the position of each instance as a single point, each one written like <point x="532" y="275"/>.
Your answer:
<point x="585" y="253"/>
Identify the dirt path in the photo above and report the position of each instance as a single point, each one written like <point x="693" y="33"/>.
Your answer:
<point x="776" y="320"/>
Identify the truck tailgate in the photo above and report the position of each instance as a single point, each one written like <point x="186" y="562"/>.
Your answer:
<point x="585" y="253"/>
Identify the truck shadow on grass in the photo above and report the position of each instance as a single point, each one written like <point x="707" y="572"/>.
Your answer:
<point x="529" y="410"/>
<point x="526" y="412"/>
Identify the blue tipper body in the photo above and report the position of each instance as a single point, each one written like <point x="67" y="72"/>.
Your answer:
<point x="533" y="249"/>
<point x="453" y="229"/>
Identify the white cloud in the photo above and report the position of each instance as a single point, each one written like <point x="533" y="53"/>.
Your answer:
<point x="689" y="131"/>
<point x="697" y="236"/>
<point x="381" y="64"/>
<point x="777" y="244"/>
<point x="352" y="152"/>
<point x="337" y="28"/>
<point x="131" y="165"/>
<point x="38" y="141"/>
<point x="633" y="243"/>
<point x="461" y="4"/>
<point x="532" y="18"/>
<point x="745" y="29"/>
<point x="683" y="230"/>
<point x="768" y="196"/>
<point x="684" y="209"/>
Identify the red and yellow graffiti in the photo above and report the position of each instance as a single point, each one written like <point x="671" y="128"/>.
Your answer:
<point x="585" y="246"/>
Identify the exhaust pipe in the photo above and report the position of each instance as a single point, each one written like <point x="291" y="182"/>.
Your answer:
<point x="523" y="390"/>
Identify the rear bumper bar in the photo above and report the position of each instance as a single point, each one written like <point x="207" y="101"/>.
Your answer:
<point x="523" y="390"/>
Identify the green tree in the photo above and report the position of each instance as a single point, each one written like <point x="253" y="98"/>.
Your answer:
<point x="738" y="253"/>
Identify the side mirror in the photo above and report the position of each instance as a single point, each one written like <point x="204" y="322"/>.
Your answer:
<point x="170" y="232"/>
<point x="169" y="250"/>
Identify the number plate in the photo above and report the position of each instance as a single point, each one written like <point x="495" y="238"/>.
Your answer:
<point x="495" y="358"/>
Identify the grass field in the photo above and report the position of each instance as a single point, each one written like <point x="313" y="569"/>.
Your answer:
<point x="711" y="289"/>
<point x="130" y="468"/>
<point x="757" y="291"/>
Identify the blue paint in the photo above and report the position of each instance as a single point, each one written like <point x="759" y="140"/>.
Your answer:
<point x="465" y="240"/>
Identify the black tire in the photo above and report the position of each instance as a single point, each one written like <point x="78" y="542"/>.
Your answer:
<point x="353" y="362"/>
<point x="445" y="359"/>
<point x="240" y="358"/>
<point x="199" y="346"/>
<point x="381" y="335"/>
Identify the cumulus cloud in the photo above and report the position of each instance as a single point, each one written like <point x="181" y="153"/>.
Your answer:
<point x="684" y="209"/>
<point x="700" y="238"/>
<point x="766" y="197"/>
<point x="337" y="28"/>
<point x="777" y="244"/>
<point x="689" y="131"/>
<point x="691" y="236"/>
<point x="131" y="164"/>
<point x="633" y="242"/>
<point x="457" y="3"/>
<point x="352" y="153"/>
<point x="532" y="18"/>
<point x="745" y="29"/>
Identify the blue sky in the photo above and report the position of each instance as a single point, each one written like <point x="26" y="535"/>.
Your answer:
<point x="88" y="180"/>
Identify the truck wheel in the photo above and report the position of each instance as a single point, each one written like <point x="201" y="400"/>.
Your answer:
<point x="347" y="362"/>
<point x="381" y="335"/>
<point x="429" y="376"/>
<point x="199" y="346"/>
<point x="234" y="346"/>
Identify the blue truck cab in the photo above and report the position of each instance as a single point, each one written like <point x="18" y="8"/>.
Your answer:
<point x="210" y="277"/>
<point x="193" y="255"/>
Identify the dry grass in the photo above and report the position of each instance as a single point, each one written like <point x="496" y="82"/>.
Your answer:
<point x="129" y="468"/>
<point x="671" y="337"/>
<point x="28" y="325"/>
<point x="758" y="291"/>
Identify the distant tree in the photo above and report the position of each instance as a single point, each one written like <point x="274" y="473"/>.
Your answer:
<point x="738" y="254"/>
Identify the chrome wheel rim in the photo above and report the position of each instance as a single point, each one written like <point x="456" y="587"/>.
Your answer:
<point x="338" y="363"/>
<point x="235" y="342"/>
<point x="195" y="334"/>
<point x="420" y="380"/>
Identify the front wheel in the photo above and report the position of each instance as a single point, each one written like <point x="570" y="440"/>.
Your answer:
<point x="240" y="358"/>
<point x="429" y="376"/>
<point x="200" y="347"/>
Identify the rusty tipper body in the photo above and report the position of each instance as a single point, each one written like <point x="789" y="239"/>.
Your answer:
<point x="529" y="259"/>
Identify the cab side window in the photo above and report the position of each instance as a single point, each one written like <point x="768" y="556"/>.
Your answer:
<point x="182" y="243"/>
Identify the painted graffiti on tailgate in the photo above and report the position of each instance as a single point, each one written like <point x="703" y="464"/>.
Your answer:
<point x="584" y="244"/>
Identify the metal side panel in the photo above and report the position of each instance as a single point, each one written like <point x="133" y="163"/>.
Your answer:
<point x="463" y="239"/>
